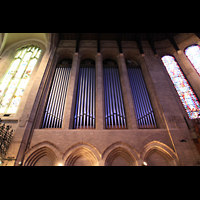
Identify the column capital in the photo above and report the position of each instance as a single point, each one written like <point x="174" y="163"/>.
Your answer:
<point x="120" y="55"/>
<point x="98" y="54"/>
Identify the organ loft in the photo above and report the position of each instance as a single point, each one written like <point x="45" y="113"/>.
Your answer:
<point x="99" y="99"/>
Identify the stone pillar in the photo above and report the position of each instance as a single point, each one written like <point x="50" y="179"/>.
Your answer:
<point x="68" y="117"/>
<point x="127" y="93"/>
<point x="152" y="93"/>
<point x="100" y="107"/>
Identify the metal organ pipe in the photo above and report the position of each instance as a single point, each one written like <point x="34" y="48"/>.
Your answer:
<point x="56" y="101"/>
<point x="114" y="108"/>
<point x="143" y="108"/>
<point x="85" y="99"/>
<point x="88" y="99"/>
<point x="46" y="116"/>
<point x="91" y="107"/>
<point x="94" y="95"/>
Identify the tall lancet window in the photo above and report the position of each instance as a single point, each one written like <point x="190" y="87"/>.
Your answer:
<point x="184" y="90"/>
<point x="53" y="115"/>
<point x="13" y="84"/>
<point x="114" y="106"/>
<point x="193" y="54"/>
<point x="84" y="117"/>
<point x="143" y="108"/>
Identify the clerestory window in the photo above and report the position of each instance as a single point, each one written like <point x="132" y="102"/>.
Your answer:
<point x="186" y="94"/>
<point x="193" y="54"/>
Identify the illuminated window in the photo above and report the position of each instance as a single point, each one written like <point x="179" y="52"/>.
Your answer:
<point x="184" y="90"/>
<point x="14" y="82"/>
<point x="193" y="54"/>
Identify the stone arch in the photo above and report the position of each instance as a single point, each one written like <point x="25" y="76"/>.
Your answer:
<point x="81" y="154"/>
<point x="23" y="39"/>
<point x="109" y="55"/>
<point x="162" y="150"/>
<point x="132" y="55"/>
<point x="63" y="53"/>
<point x="35" y="153"/>
<point x="122" y="150"/>
<point x="87" y="54"/>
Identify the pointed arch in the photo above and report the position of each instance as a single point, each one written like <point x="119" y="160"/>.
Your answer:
<point x="166" y="152"/>
<point x="186" y="94"/>
<point x="40" y="150"/>
<point x="192" y="52"/>
<point x="81" y="150"/>
<point x="123" y="150"/>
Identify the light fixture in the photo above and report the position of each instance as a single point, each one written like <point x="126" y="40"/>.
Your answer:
<point x="144" y="164"/>
<point x="60" y="164"/>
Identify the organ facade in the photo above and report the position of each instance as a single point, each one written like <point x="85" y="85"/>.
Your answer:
<point x="104" y="101"/>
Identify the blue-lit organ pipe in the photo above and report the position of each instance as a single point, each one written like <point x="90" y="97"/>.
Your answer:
<point x="84" y="116"/>
<point x="53" y="116"/>
<point x="114" y="106"/>
<point x="143" y="108"/>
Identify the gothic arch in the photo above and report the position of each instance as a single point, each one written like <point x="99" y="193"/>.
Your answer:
<point x="123" y="150"/>
<point x="165" y="151"/>
<point x="17" y="40"/>
<point x="81" y="150"/>
<point x="42" y="149"/>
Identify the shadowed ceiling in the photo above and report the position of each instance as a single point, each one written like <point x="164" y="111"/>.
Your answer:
<point x="114" y="36"/>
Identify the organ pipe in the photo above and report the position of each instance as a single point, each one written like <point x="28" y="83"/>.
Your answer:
<point x="85" y="100"/>
<point x="56" y="101"/>
<point x="114" y="107"/>
<point x="144" y="111"/>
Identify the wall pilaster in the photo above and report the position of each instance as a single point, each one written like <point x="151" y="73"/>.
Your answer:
<point x="68" y="117"/>
<point x="127" y="93"/>
<point x="100" y="109"/>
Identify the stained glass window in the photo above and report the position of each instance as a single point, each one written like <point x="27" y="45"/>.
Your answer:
<point x="193" y="54"/>
<point x="184" y="90"/>
<point x="14" y="82"/>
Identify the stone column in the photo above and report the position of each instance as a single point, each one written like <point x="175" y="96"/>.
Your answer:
<point x="68" y="117"/>
<point x="152" y="93"/>
<point x="100" y="107"/>
<point x="127" y="93"/>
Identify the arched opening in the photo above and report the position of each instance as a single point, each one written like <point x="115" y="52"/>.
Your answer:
<point x="84" y="117"/>
<point x="41" y="157"/>
<point x="81" y="156"/>
<point x="114" y="106"/>
<point x="14" y="82"/>
<point x="120" y="157"/>
<point x="186" y="94"/>
<point x="156" y="156"/>
<point x="193" y="54"/>
<point x="54" y="111"/>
